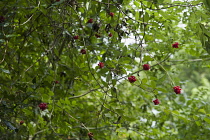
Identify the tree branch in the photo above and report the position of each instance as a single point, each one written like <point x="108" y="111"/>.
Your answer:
<point x="84" y="93"/>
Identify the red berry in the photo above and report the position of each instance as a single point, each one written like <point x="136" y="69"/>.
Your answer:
<point x="97" y="35"/>
<point x="146" y="67"/>
<point x="90" y="21"/>
<point x="21" y="122"/>
<point x="101" y="64"/>
<point x="90" y="135"/>
<point x="43" y="106"/>
<point x="110" y="34"/>
<point x="111" y="14"/>
<point x="132" y="79"/>
<point x="56" y="82"/>
<point x="175" y="45"/>
<point x="83" y="51"/>
<point x="57" y="0"/>
<point x="156" y="101"/>
<point x="76" y="37"/>
<point x="177" y="89"/>
<point x="2" y="19"/>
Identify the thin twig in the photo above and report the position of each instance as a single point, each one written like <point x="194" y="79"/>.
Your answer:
<point x="84" y="93"/>
<point x="176" y="5"/>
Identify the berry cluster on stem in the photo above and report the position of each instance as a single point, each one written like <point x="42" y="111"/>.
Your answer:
<point x="43" y="106"/>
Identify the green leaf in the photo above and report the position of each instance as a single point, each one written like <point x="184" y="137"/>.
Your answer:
<point x="207" y="46"/>
<point x="195" y="117"/>
<point x="147" y="58"/>
<point x="136" y="3"/>
<point x="73" y="102"/>
<point x="207" y="3"/>
<point x="104" y="83"/>
<point x="137" y="15"/>
<point x="45" y="98"/>
<point x="125" y="60"/>
<point x="162" y="90"/>
<point x="114" y="81"/>
<point x="183" y="118"/>
<point x="109" y="77"/>
<point x="198" y="123"/>
<point x="124" y="51"/>
<point x="144" y="81"/>
<point x="175" y="112"/>
<point x="202" y="111"/>
<point x="51" y="93"/>
<point x="146" y="17"/>
<point x="153" y="84"/>
<point x="113" y="91"/>
<point x="167" y="111"/>
<point x="207" y="120"/>
<point x="5" y="71"/>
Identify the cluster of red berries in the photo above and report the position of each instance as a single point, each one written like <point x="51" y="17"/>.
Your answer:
<point x="132" y="79"/>
<point x="43" y="106"/>
<point x="83" y="51"/>
<point x="21" y="122"/>
<point x="177" y="89"/>
<point x="175" y="45"/>
<point x="90" y="21"/>
<point x="110" y="35"/>
<point x="156" y="101"/>
<point x="146" y="67"/>
<point x="111" y="14"/>
<point x="76" y="37"/>
<point x="101" y="64"/>
<point x="90" y="135"/>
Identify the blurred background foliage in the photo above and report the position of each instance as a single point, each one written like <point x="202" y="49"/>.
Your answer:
<point x="40" y="61"/>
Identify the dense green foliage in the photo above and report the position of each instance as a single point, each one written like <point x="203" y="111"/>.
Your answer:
<point x="41" y="62"/>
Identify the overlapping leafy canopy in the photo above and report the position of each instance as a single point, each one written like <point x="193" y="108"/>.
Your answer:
<point x="50" y="52"/>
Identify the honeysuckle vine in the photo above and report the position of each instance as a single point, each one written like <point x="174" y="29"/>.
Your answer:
<point x="77" y="69"/>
